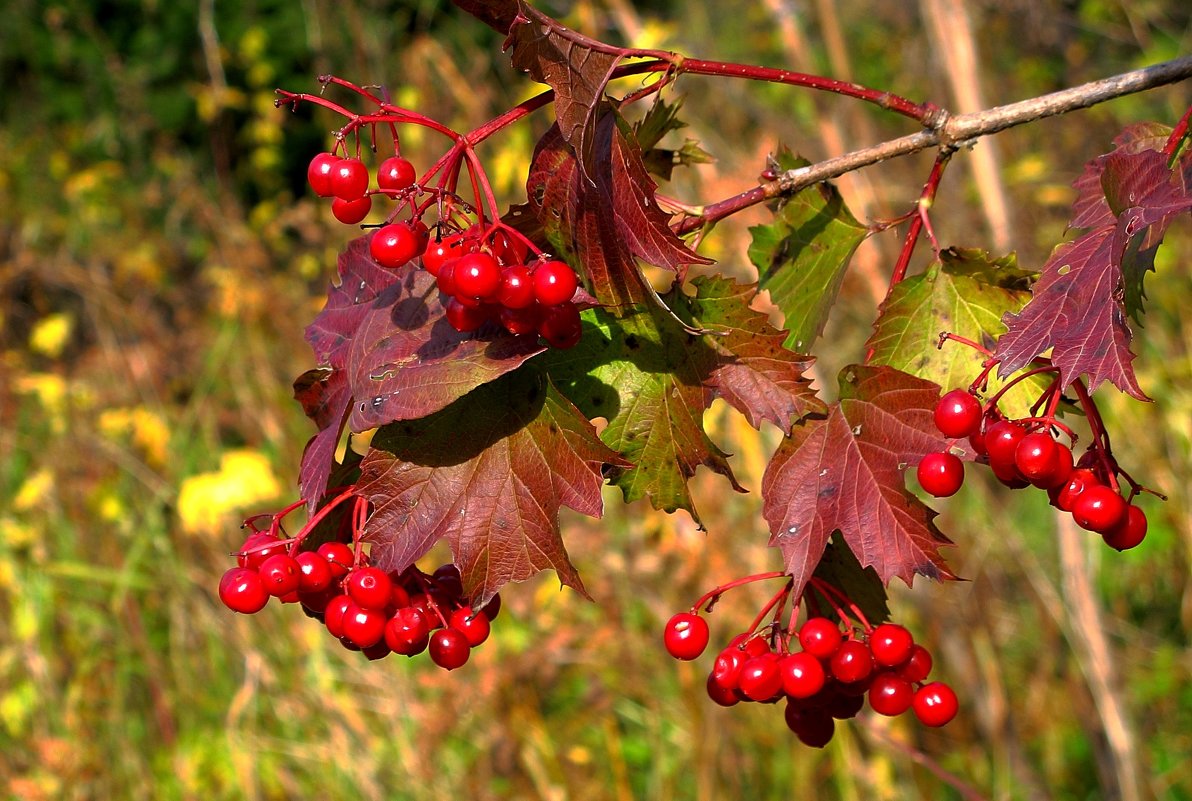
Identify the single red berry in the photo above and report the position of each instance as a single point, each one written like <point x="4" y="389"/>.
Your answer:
<point x="318" y="174"/>
<point x="314" y="604"/>
<point x="369" y="587"/>
<point x="492" y="608"/>
<point x="750" y="644"/>
<point x="365" y="627"/>
<point x="242" y="590"/>
<point x="852" y="662"/>
<point x="519" y="322"/>
<point x="1099" y="508"/>
<point x="375" y="652"/>
<point x="1063" y="471"/>
<point x="843" y="706"/>
<point x="464" y="318"/>
<point x="517" y="287"/>
<point x="726" y="670"/>
<point x="349" y="179"/>
<point x="508" y="249"/>
<point x="395" y="174"/>
<point x="280" y="574"/>
<point x="477" y="275"/>
<point x="339" y="557"/>
<point x="1007" y="473"/>
<point x="473" y="625"/>
<point x="399" y="598"/>
<point x="449" y="648"/>
<point x="814" y="727"/>
<point x="1001" y="440"/>
<point x="890" y="644"/>
<point x="333" y="616"/>
<point x="686" y="636"/>
<point x="802" y="675"/>
<point x="890" y="694"/>
<point x="350" y="212"/>
<point x="394" y="245"/>
<point x="918" y="666"/>
<point x="407" y="632"/>
<point x="560" y="326"/>
<point x="1037" y="457"/>
<point x="259" y="547"/>
<point x="760" y="678"/>
<point x="554" y="283"/>
<point x="820" y="637"/>
<point x="958" y="414"/>
<point x="445" y="280"/>
<point x="1129" y="532"/>
<point x="721" y="694"/>
<point x="940" y="474"/>
<point x="314" y="572"/>
<point x="440" y="251"/>
<point x="1065" y="497"/>
<point x="935" y="704"/>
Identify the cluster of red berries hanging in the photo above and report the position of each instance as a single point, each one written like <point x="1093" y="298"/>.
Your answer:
<point x="1026" y="452"/>
<point x="366" y="608"/>
<point x="830" y="674"/>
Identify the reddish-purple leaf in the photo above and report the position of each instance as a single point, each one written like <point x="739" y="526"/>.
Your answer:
<point x="497" y="14"/>
<point x="1091" y="210"/>
<point x="488" y="474"/>
<point x="323" y="393"/>
<point x="361" y="280"/>
<point x="845" y="472"/>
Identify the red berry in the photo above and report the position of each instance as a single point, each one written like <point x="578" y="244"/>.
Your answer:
<point x="314" y="573"/>
<point x="242" y="590"/>
<point x="560" y="326"/>
<point x="339" y="557"/>
<point x="519" y="322"/>
<point x="935" y="704"/>
<point x="407" y="632"/>
<point x="365" y="627"/>
<point x="398" y="597"/>
<point x="477" y="275"/>
<point x="760" y="678"/>
<point x="890" y="694"/>
<point x="1099" y="508"/>
<point x="350" y="212"/>
<point x="852" y="662"/>
<point x="394" y="245"/>
<point x="492" y="608"/>
<point x="370" y="587"/>
<point x="440" y="251"/>
<point x="1037" y="457"/>
<point x="554" y="283"/>
<point x="395" y="173"/>
<point x="890" y="644"/>
<point x="280" y="574"/>
<point x="726" y="670"/>
<point x="517" y="287"/>
<point x="749" y="644"/>
<point x="721" y="694"/>
<point x="334" y="614"/>
<point x="802" y="675"/>
<point x="1063" y="471"/>
<point x="259" y="547"/>
<point x="464" y="318"/>
<point x="314" y="604"/>
<point x="375" y="652"/>
<point x="918" y="666"/>
<point x="843" y="706"/>
<point x="1001" y="440"/>
<point x="349" y="179"/>
<point x="449" y="648"/>
<point x="1129" y="532"/>
<point x="1007" y="473"/>
<point x="686" y="636"/>
<point x="318" y="174"/>
<point x="958" y="414"/>
<point x="813" y="727"/>
<point x="940" y="474"/>
<point x="473" y="625"/>
<point x="1080" y="480"/>
<point x="508" y="249"/>
<point x="820" y="637"/>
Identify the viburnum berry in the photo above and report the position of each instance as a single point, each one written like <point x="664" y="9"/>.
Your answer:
<point x="554" y="283"/>
<point x="1099" y="508"/>
<point x="350" y="212"/>
<point x="517" y="287"/>
<point x="1001" y="440"/>
<point x="890" y="694"/>
<point x="844" y="706"/>
<point x="917" y="667"/>
<point x="935" y="704"/>
<point x="257" y="548"/>
<point x="852" y="662"/>
<point x="334" y="614"/>
<point x="394" y="245"/>
<point x="686" y="636"/>
<point x="280" y="574"/>
<point x="339" y="557"/>
<point x="958" y="414"/>
<point x="349" y="179"/>
<point x="473" y="625"/>
<point x="1037" y="457"/>
<point x="365" y="627"/>
<point x="449" y="648"/>
<point x="242" y="590"/>
<point x="440" y="251"/>
<point x="726" y="670"/>
<point x="750" y="644"/>
<point x="407" y="632"/>
<point x="890" y="644"/>
<point x="1129" y="532"/>
<point x="1065" y="496"/>
<point x="813" y="726"/>
<point x="721" y="694"/>
<point x="508" y="249"/>
<point x="395" y="174"/>
<point x="318" y="174"/>
<point x="314" y="572"/>
<point x="560" y="326"/>
<point x="820" y="637"/>
<point x="1007" y="473"/>
<point x="462" y="317"/>
<point x="802" y="675"/>
<point x="477" y="275"/>
<point x="760" y="678"/>
<point x="519" y="322"/>
<point x="940" y="474"/>
<point x="369" y="587"/>
<point x="492" y="608"/>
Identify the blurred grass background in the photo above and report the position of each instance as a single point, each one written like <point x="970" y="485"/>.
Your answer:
<point x="159" y="258"/>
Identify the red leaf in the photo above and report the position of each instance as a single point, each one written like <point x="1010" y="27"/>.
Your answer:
<point x="1090" y="210"/>
<point x="488" y="474"/>
<point x="845" y="472"/>
<point x="323" y="393"/>
<point x="497" y="14"/>
<point x="361" y="280"/>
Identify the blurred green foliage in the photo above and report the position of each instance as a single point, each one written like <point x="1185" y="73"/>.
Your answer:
<point x="158" y="260"/>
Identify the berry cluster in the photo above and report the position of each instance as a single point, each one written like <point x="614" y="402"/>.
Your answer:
<point x="1026" y="452"/>
<point x="366" y="608"/>
<point x="830" y="675"/>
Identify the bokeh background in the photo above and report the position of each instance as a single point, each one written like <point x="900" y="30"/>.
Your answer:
<point x="159" y="258"/>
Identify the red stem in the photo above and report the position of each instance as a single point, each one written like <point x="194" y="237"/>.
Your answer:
<point x="1177" y="135"/>
<point x="825" y="589"/>
<point x="716" y="592"/>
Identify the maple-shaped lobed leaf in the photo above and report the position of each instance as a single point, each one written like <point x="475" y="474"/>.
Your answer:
<point x="845" y="472"/>
<point x="661" y="119"/>
<point x="497" y="14"/>
<point x="488" y="474"/>
<point x="965" y="292"/>
<point x="1091" y="209"/>
<point x="324" y="395"/>
<point x="802" y="256"/>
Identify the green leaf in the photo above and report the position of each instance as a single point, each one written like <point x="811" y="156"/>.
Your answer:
<point x="966" y="293"/>
<point x="862" y="585"/>
<point x="801" y="257"/>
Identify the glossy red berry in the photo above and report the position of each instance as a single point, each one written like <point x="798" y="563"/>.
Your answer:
<point x="814" y="727"/>
<point x="314" y="573"/>
<point x="280" y="574"/>
<point x="852" y="662"/>
<point x="760" y="678"/>
<point x="1063" y="471"/>
<point x="349" y="179"/>
<point x="449" y="648"/>
<point x="395" y="174"/>
<point x="365" y="627"/>
<point x="721" y="694"/>
<point x="935" y="704"/>
<point x="560" y="326"/>
<point x="369" y="587"/>
<point x="1037" y="457"/>
<point x="726" y="670"/>
<point x="407" y="632"/>
<point x="350" y="212"/>
<point x="473" y="625"/>
<point x="439" y="252"/>
<point x="686" y="635"/>
<point x="890" y="694"/>
<point x="517" y="287"/>
<point x="940" y="474"/>
<point x="554" y="283"/>
<point x="749" y="644"/>
<point x="1001" y="441"/>
<point x="1099" y="508"/>
<point x="492" y="608"/>
<point x="477" y="275"/>
<point x="334" y="614"/>
<point x="339" y="558"/>
<point x="820" y="637"/>
<point x="259" y="547"/>
<point x="918" y="666"/>
<point x="318" y="174"/>
<point x="1065" y="496"/>
<point x="464" y="318"/>
<point x="802" y="675"/>
<point x="843" y="706"/>
<point x="890" y="644"/>
<point x="519" y="322"/>
<point x="394" y="245"/>
<point x="242" y="590"/>
<point x="958" y="414"/>
<point x="1129" y="532"/>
